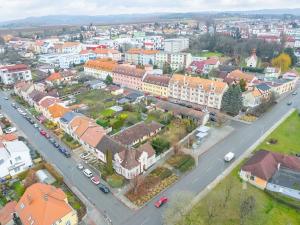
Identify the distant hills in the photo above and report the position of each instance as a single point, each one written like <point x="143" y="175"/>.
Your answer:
<point x="54" y="20"/>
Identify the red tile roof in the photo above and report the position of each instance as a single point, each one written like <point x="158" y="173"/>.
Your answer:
<point x="14" y="68"/>
<point x="6" y="213"/>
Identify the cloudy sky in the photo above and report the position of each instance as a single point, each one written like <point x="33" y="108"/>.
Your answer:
<point x="16" y="9"/>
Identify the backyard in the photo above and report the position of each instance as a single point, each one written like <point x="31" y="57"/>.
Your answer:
<point x="224" y="204"/>
<point x="208" y="54"/>
<point x="97" y="101"/>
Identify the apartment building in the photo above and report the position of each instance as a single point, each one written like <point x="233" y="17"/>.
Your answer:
<point x="139" y="56"/>
<point x="67" y="47"/>
<point x="129" y="76"/>
<point x="105" y="53"/>
<point x="175" y="45"/>
<point x="177" y="61"/>
<point x="100" y="68"/>
<point x="13" y="73"/>
<point x="156" y="85"/>
<point x="196" y="90"/>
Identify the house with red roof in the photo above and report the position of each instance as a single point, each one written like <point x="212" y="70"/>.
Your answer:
<point x="11" y="74"/>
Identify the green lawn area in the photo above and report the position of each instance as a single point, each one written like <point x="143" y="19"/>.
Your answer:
<point x="19" y="189"/>
<point x="208" y="54"/>
<point x="70" y="142"/>
<point x="97" y="101"/>
<point x="297" y="69"/>
<point x="115" y="181"/>
<point x="287" y="136"/>
<point x="267" y="210"/>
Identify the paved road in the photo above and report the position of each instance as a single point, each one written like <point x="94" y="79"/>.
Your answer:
<point x="114" y="209"/>
<point x="211" y="164"/>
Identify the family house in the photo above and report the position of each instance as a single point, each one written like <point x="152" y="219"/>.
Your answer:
<point x="237" y="75"/>
<point x="47" y="205"/>
<point x="262" y="166"/>
<point x="56" y="111"/>
<point x="137" y="133"/>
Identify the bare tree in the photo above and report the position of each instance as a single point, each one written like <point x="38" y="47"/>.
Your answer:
<point x="177" y="207"/>
<point x="30" y="178"/>
<point x="247" y="207"/>
<point x="136" y="182"/>
<point x="227" y="193"/>
<point x="176" y="149"/>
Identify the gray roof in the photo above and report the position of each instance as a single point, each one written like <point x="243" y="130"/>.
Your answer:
<point x="68" y="117"/>
<point x="263" y="87"/>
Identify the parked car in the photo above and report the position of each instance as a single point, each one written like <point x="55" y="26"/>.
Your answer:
<point x="42" y="132"/>
<point x="80" y="166"/>
<point x="55" y="144"/>
<point x="1" y="115"/>
<point x="47" y="136"/>
<point x="161" y="201"/>
<point x="36" y="125"/>
<point x="10" y="130"/>
<point x="66" y="153"/>
<point x="103" y="188"/>
<point x="289" y="103"/>
<point x="297" y="154"/>
<point x="87" y="173"/>
<point x="51" y="140"/>
<point x="14" y="105"/>
<point x="31" y="121"/>
<point x="95" y="180"/>
<point x="229" y="156"/>
<point x="6" y="98"/>
<point x="294" y="93"/>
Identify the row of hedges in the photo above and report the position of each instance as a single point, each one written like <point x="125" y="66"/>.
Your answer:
<point x="161" y="172"/>
<point x="182" y="162"/>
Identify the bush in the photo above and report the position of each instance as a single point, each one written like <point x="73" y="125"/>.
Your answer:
<point x="182" y="162"/>
<point x="160" y="145"/>
<point x="273" y="141"/>
<point x="107" y="113"/>
<point x="161" y="172"/>
<point x="117" y="124"/>
<point x="102" y="123"/>
<point x="59" y="178"/>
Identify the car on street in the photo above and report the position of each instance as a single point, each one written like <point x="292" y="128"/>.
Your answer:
<point x="10" y="130"/>
<point x="66" y="153"/>
<point x="31" y="121"/>
<point x="229" y="156"/>
<point x="51" y="140"/>
<point x="294" y="93"/>
<point x="14" y="105"/>
<point x="6" y="98"/>
<point x="1" y="115"/>
<point x="87" y="173"/>
<point x="36" y="125"/>
<point x="55" y="144"/>
<point x="80" y="166"/>
<point x="95" y="180"/>
<point x="103" y="188"/>
<point x="47" y="136"/>
<point x="43" y="133"/>
<point x="160" y="202"/>
<point x="289" y="103"/>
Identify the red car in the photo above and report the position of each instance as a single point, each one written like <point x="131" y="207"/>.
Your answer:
<point x="42" y="132"/>
<point x="95" y="180"/>
<point x="161" y="201"/>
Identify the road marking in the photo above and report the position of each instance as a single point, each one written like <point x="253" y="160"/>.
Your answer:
<point x="145" y="221"/>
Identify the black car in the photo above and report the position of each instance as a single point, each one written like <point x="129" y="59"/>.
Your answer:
<point x="31" y="121"/>
<point x="103" y="188"/>
<point x="67" y="153"/>
<point x="55" y="144"/>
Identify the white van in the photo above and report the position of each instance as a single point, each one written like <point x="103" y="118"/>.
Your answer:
<point x="88" y="173"/>
<point x="229" y="156"/>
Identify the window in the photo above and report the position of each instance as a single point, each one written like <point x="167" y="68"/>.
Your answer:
<point x="18" y="158"/>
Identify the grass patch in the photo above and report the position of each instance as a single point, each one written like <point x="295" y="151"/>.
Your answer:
<point x="181" y="162"/>
<point x="208" y="54"/>
<point x="269" y="208"/>
<point x="287" y="136"/>
<point x="70" y="142"/>
<point x="115" y="181"/>
<point x="19" y="189"/>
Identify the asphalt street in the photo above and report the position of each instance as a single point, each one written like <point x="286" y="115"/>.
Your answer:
<point x="210" y="165"/>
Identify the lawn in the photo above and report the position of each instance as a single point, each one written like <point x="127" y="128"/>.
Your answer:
<point x="208" y="54"/>
<point x="115" y="181"/>
<point x="97" y="101"/>
<point x="287" y="136"/>
<point x="19" y="189"/>
<point x="267" y="210"/>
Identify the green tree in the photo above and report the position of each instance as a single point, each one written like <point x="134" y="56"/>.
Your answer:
<point x="232" y="101"/>
<point x="109" y="163"/>
<point x="167" y="68"/>
<point x="81" y="38"/>
<point x="291" y="53"/>
<point x="108" y="80"/>
<point x="243" y="85"/>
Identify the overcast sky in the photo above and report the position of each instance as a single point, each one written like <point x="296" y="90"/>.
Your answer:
<point x="16" y="9"/>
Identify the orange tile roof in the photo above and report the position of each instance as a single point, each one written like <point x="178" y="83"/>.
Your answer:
<point x="256" y="93"/>
<point x="80" y="124"/>
<point x="239" y="75"/>
<point x="57" y="110"/>
<point x="48" y="101"/>
<point x="8" y="137"/>
<point x="42" y="203"/>
<point x="105" y="51"/>
<point x="197" y="81"/>
<point x="142" y="51"/>
<point x="70" y="44"/>
<point x="106" y="65"/>
<point x="6" y="213"/>
<point x="93" y="135"/>
<point x="54" y="76"/>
